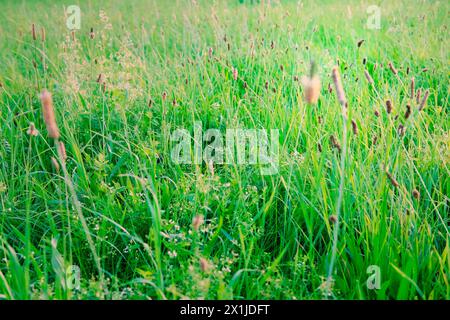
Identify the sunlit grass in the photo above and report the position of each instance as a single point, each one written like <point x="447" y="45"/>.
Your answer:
<point x="155" y="66"/>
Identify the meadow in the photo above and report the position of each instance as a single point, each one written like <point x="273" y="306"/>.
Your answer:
<point x="93" y="206"/>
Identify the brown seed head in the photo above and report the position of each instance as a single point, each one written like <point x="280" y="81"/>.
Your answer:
<point x="338" y="85"/>
<point x="33" y="31"/>
<point x="392" y="179"/>
<point x="418" y="94"/>
<point x="392" y="68"/>
<point x="368" y="77"/>
<point x="424" y="100"/>
<point x="416" y="194"/>
<point x="43" y="34"/>
<point x="354" y="127"/>
<point x="388" y="106"/>
<point x="334" y="143"/>
<point x="408" y="111"/>
<point x="49" y="115"/>
<point x="412" y="87"/>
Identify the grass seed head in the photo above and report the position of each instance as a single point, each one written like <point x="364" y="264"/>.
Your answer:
<point x="311" y="86"/>
<point x="416" y="194"/>
<point x="388" y="106"/>
<point x="338" y="85"/>
<point x="392" y="179"/>
<point x="62" y="151"/>
<point x="49" y="115"/>
<point x="368" y="77"/>
<point x="392" y="68"/>
<point x="55" y="164"/>
<point x="354" y="127"/>
<point x="424" y="100"/>
<point x="412" y="87"/>
<point x="197" y="221"/>
<point x="408" y="111"/>
<point x="235" y="73"/>
<point x="418" y="95"/>
<point x="33" y="31"/>
<point x="334" y="143"/>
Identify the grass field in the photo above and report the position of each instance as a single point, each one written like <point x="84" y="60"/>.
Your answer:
<point x="358" y="207"/>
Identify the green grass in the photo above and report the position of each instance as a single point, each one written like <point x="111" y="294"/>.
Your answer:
<point x="264" y="237"/>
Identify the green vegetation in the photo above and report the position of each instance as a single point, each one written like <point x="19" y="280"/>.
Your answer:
<point x="155" y="66"/>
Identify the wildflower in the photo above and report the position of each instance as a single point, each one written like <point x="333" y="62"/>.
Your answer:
<point x="32" y="131"/>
